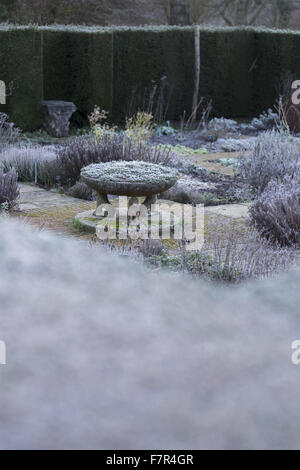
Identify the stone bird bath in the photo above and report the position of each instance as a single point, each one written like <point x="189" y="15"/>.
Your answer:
<point x="125" y="178"/>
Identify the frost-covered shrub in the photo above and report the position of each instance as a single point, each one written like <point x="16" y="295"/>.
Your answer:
<point x="31" y="162"/>
<point x="9" y="134"/>
<point x="99" y="125"/>
<point x="276" y="213"/>
<point x="219" y="127"/>
<point x="83" y="151"/>
<point x="267" y="120"/>
<point x="9" y="191"/>
<point x="128" y="337"/>
<point x="80" y="152"/>
<point x="139" y="128"/>
<point x="150" y="248"/>
<point x="165" y="130"/>
<point x="234" y="145"/>
<point x="81" y="191"/>
<point x="273" y="157"/>
<point x="238" y="253"/>
<point x="233" y="254"/>
<point x="289" y="112"/>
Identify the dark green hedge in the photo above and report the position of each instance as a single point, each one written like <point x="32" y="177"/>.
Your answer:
<point x="226" y="77"/>
<point x="21" y="67"/>
<point x="276" y="55"/>
<point x="141" y="61"/>
<point x="118" y="69"/>
<point x="78" y="67"/>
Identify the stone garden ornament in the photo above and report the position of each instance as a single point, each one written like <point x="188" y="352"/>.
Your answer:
<point x="132" y="179"/>
<point x="57" y="116"/>
<point x="126" y="216"/>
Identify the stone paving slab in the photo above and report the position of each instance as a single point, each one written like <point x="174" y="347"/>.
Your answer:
<point x="35" y="198"/>
<point x="235" y="211"/>
<point x="32" y="197"/>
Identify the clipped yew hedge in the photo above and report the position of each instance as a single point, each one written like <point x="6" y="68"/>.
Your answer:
<point x="21" y="70"/>
<point x="78" y="67"/>
<point x="142" y="57"/>
<point x="226" y="77"/>
<point x="114" y="67"/>
<point x="276" y="54"/>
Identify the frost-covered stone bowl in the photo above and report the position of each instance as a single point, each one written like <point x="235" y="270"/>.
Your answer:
<point x="125" y="178"/>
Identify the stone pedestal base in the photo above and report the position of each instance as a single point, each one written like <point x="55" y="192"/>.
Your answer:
<point x="102" y="199"/>
<point x="119" y="225"/>
<point x="57" y="116"/>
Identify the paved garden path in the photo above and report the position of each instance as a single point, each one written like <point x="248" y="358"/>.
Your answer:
<point x="235" y="211"/>
<point x="50" y="210"/>
<point x="33" y="198"/>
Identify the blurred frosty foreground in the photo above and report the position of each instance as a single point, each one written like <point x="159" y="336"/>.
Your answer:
<point x="103" y="354"/>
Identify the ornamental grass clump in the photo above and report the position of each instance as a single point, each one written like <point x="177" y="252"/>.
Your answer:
<point x="9" y="190"/>
<point x="32" y="163"/>
<point x="9" y="134"/>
